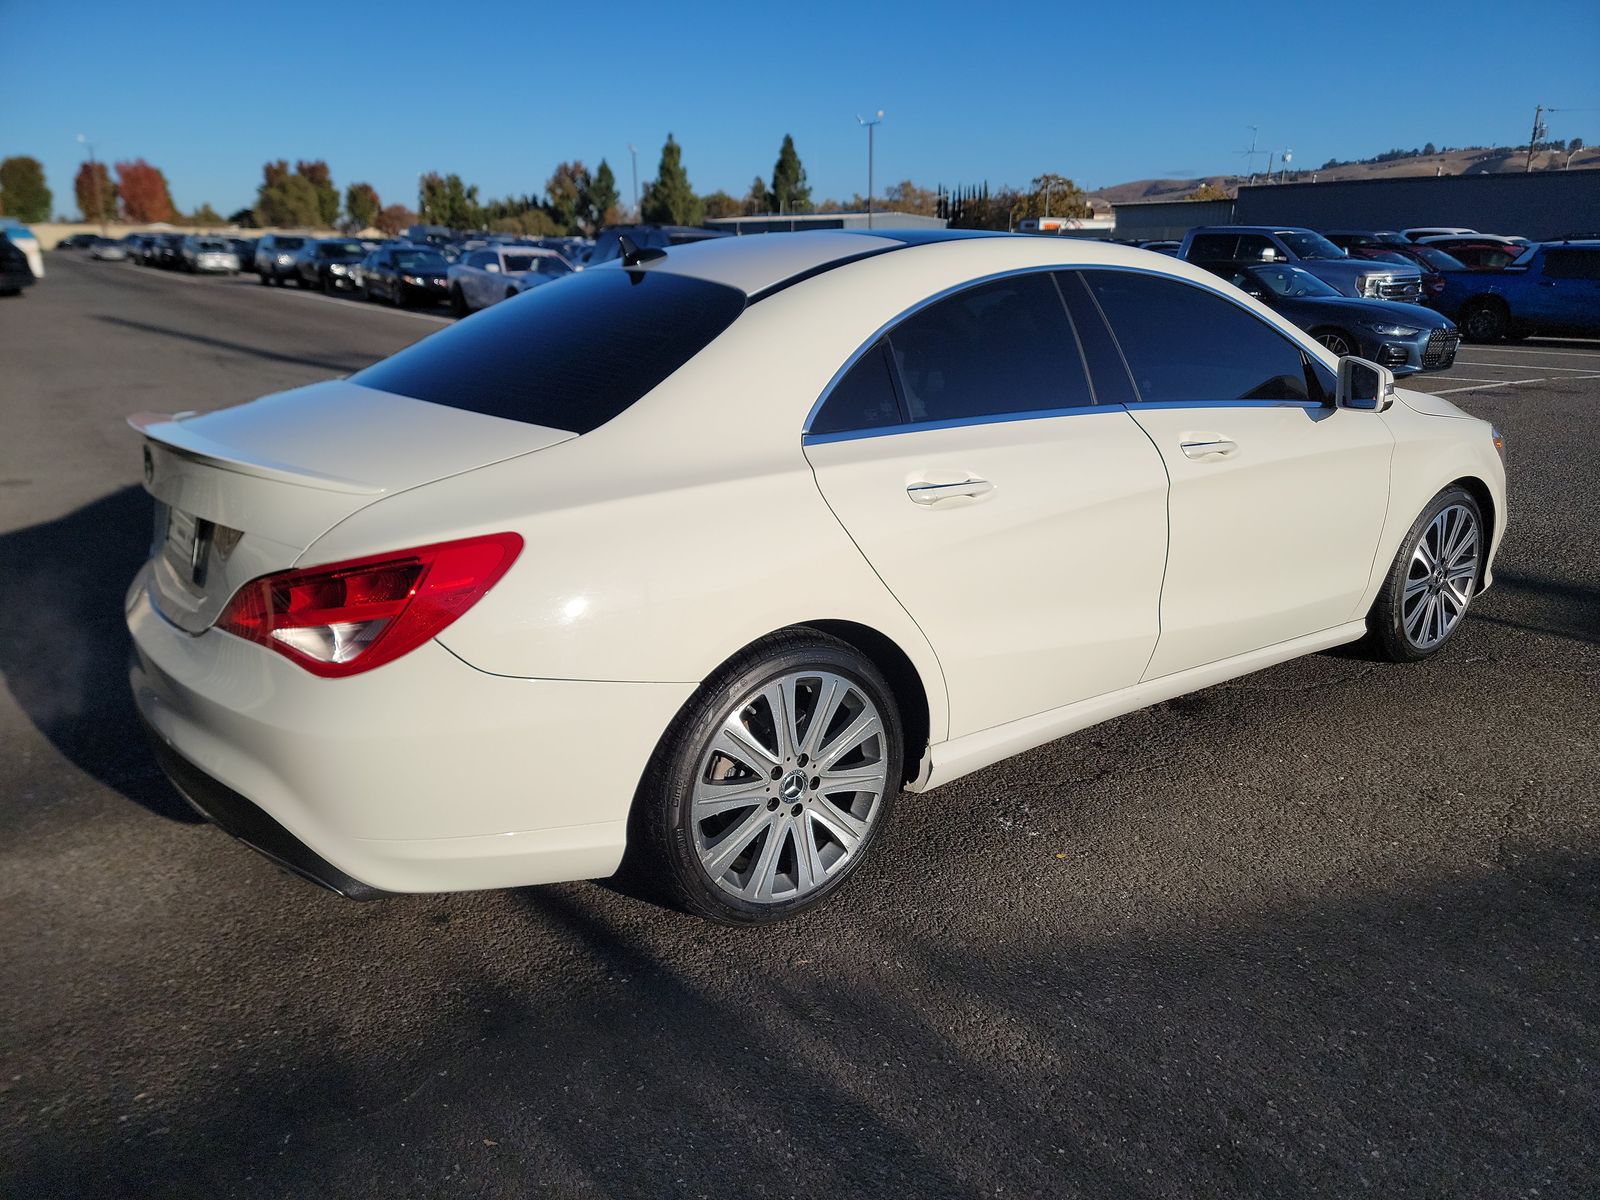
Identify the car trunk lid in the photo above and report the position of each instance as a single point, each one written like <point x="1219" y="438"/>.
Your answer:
<point x="244" y="491"/>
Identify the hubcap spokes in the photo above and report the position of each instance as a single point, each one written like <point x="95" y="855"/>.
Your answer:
<point x="789" y="787"/>
<point x="1440" y="577"/>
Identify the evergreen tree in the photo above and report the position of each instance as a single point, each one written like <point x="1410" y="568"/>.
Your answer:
<point x="597" y="203"/>
<point x="790" y="193"/>
<point x="758" y="200"/>
<point x="669" y="200"/>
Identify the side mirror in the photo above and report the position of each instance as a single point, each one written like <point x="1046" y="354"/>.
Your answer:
<point x="1364" y="385"/>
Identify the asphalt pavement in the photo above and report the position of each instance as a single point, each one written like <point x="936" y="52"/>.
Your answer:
<point x="1329" y="930"/>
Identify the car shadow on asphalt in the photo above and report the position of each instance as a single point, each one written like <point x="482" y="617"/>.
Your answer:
<point x="64" y="647"/>
<point x="339" y="366"/>
<point x="1406" y="1040"/>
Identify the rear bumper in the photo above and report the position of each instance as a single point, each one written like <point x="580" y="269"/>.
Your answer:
<point x="423" y="775"/>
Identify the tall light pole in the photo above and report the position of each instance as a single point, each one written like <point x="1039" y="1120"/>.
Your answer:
<point x="871" y="126"/>
<point x="94" y="179"/>
<point x="1533" y="138"/>
<point x="633" y="152"/>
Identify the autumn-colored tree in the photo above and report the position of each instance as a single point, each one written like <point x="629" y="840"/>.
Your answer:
<point x="97" y="195"/>
<point x="144" y="192"/>
<point x="907" y="197"/>
<point x="204" y="217"/>
<point x="1208" y="191"/>
<point x="565" y="189"/>
<point x="23" y="193"/>
<point x="395" y="220"/>
<point x="362" y="204"/>
<point x="316" y="173"/>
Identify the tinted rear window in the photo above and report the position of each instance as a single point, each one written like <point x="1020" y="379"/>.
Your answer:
<point x="570" y="355"/>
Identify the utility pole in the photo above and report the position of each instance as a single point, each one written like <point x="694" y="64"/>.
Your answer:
<point x="1533" y="138"/>
<point x="94" y="178"/>
<point x="871" y="127"/>
<point x="633" y="152"/>
<point x="1250" y="154"/>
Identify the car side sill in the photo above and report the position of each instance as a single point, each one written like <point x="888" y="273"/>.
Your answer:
<point x="973" y="751"/>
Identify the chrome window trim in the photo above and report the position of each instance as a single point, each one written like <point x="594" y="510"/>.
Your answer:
<point x="810" y="439"/>
<point x="852" y="435"/>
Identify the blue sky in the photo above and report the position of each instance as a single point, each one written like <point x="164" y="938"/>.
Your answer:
<point x="209" y="91"/>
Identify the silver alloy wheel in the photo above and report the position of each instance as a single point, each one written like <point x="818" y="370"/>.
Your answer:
<point x="1336" y="342"/>
<point x="1440" y="577"/>
<point x="789" y="787"/>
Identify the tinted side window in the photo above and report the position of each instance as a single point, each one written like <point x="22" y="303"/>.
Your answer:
<point x="570" y="355"/>
<point x="1212" y="245"/>
<point x="1253" y="247"/>
<point x="863" y="399"/>
<point x="1002" y="347"/>
<point x="1183" y="343"/>
<point x="1572" y="264"/>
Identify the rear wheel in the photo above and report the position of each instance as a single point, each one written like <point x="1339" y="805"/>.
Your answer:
<point x="1432" y="580"/>
<point x="1485" y="321"/>
<point x="773" y="783"/>
<point x="263" y="280"/>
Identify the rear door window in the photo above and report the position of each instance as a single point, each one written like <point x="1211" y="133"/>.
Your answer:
<point x="1184" y="344"/>
<point x="1572" y="264"/>
<point x="995" y="349"/>
<point x="1212" y="245"/>
<point x="568" y="356"/>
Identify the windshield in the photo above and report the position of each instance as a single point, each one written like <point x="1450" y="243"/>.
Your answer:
<point x="1438" y="259"/>
<point x="1389" y="256"/>
<point x="1290" y="282"/>
<point x="1310" y="245"/>
<point x="420" y="260"/>
<point x="521" y="262"/>
<point x="212" y="244"/>
<point x="284" y="243"/>
<point x="340" y="250"/>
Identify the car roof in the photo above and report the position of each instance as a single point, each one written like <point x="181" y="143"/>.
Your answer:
<point x="1252" y="229"/>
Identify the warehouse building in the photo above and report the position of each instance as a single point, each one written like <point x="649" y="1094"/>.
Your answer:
<point x="791" y="222"/>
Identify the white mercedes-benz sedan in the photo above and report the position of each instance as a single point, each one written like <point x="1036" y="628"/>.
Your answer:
<point x="701" y="557"/>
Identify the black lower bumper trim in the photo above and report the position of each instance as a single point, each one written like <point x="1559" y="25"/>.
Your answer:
<point x="245" y="820"/>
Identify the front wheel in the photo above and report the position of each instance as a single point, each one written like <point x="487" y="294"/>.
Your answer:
<point x="1432" y="580"/>
<point x="771" y="786"/>
<point x="1337" y="340"/>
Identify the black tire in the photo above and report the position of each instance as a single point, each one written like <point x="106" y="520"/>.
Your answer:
<point x="662" y="851"/>
<point x="300" y="280"/>
<point x="366" y="292"/>
<point x="327" y="285"/>
<point x="1387" y="634"/>
<point x="1337" y="340"/>
<point x="1485" y="321"/>
<point x="458" y="301"/>
<point x="397" y="296"/>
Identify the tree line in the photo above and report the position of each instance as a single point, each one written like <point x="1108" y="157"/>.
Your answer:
<point x="574" y="200"/>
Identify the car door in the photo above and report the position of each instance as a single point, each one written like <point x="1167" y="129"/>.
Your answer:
<point x="1277" y="497"/>
<point x="1021" y="525"/>
<point x="1565" y="294"/>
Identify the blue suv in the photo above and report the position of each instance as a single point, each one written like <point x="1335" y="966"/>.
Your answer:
<point x="1553" y="289"/>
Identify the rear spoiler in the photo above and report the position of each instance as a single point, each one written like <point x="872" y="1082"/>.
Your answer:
<point x="166" y="429"/>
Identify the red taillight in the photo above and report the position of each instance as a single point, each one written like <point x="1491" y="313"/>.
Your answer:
<point x="346" y="617"/>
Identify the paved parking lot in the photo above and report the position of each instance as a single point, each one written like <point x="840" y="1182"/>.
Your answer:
<point x="1327" y="930"/>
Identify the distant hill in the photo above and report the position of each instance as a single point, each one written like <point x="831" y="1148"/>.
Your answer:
<point x="1475" y="160"/>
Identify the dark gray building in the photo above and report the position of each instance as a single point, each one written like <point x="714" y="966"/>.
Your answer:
<point x="1539" y="204"/>
<point x="1161" y="220"/>
<point x="774" y="223"/>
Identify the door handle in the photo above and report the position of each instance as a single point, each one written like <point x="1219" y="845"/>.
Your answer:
<point x="923" y="492"/>
<point x="1217" y="446"/>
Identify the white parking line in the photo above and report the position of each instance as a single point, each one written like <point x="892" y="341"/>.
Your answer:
<point x="1461" y="362"/>
<point x="1484" y="387"/>
<point x="1451" y="376"/>
<point x="354" y="305"/>
<point x="1523" y="350"/>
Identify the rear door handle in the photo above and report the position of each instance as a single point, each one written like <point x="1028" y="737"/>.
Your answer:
<point x="923" y="492"/>
<point x="1217" y="446"/>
